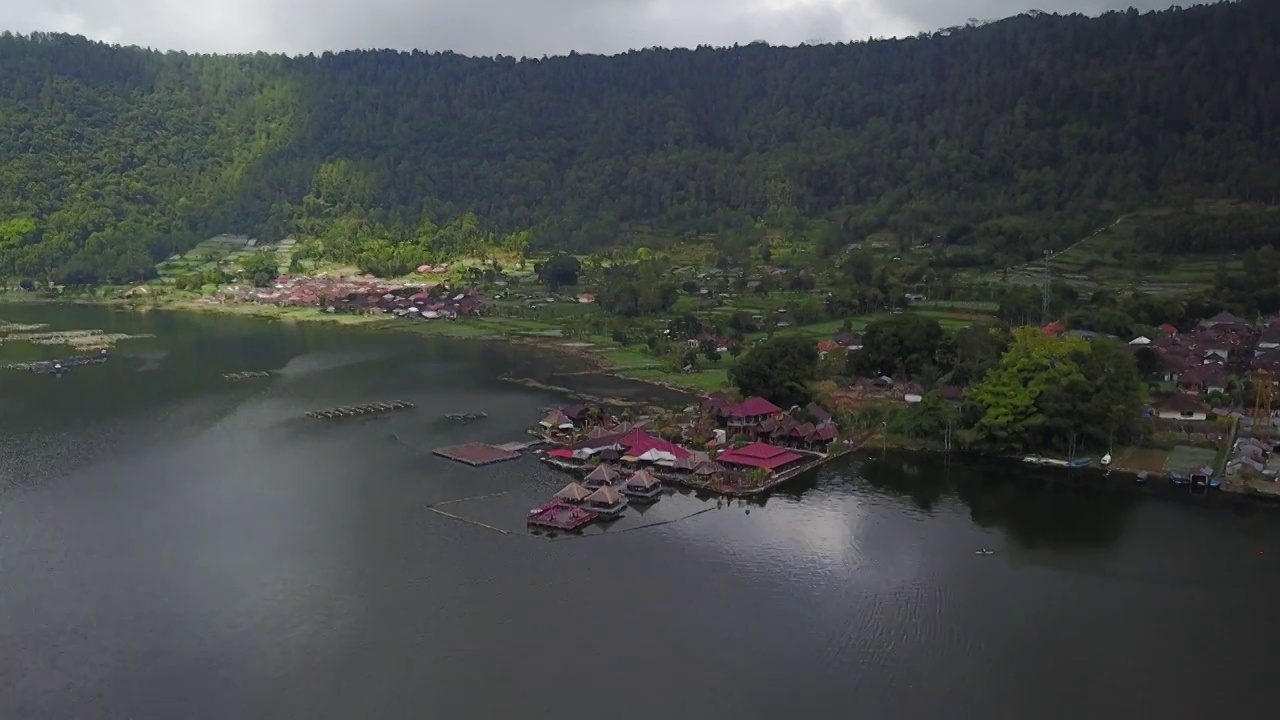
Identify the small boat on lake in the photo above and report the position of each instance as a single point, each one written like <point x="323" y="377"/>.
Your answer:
<point x="1142" y="477"/>
<point x="984" y="551"/>
<point x="1105" y="460"/>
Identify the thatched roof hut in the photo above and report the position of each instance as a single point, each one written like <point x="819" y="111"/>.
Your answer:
<point x="556" y="419"/>
<point x="573" y="492"/>
<point x="643" y="480"/>
<point x="603" y="474"/>
<point x="687" y="463"/>
<point x="709" y="467"/>
<point x="606" y="496"/>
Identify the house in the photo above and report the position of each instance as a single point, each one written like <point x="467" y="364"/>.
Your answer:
<point x="586" y="298"/>
<point x="752" y="411"/>
<point x="848" y="340"/>
<point x="827" y="346"/>
<point x="1055" y="328"/>
<point x="1169" y="330"/>
<point x="1224" y="320"/>
<point x="1174" y="365"/>
<point x="1140" y="340"/>
<point x="758" y="455"/>
<point x="1181" y="407"/>
<point x="1204" y="379"/>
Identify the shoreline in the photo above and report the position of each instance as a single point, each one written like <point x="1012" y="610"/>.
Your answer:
<point x="596" y="364"/>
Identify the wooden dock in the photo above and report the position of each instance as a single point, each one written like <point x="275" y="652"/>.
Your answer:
<point x="476" y="454"/>
<point x="558" y="516"/>
<point x="348" y="411"/>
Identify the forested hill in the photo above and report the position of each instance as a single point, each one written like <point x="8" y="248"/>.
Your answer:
<point x="111" y="157"/>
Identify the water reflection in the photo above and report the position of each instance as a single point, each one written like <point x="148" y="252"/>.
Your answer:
<point x="1045" y="508"/>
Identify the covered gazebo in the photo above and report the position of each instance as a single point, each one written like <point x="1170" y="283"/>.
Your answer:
<point x="574" y="492"/>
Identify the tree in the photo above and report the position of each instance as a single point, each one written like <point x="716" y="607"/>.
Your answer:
<point x="259" y="267"/>
<point x="779" y="369"/>
<point x="559" y="271"/>
<point x="1057" y="393"/>
<point x="901" y="346"/>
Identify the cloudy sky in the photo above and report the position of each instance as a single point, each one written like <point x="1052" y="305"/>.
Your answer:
<point x="507" y="27"/>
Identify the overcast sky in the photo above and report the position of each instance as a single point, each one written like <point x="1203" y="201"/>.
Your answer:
<point x="507" y="27"/>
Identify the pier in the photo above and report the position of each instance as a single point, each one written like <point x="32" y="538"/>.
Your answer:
<point x="347" y="411"/>
<point x="247" y="375"/>
<point x="51" y="367"/>
<point x="476" y="454"/>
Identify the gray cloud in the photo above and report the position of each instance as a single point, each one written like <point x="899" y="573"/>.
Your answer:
<point x="508" y="27"/>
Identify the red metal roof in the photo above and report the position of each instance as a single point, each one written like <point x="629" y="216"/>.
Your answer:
<point x="1054" y="328"/>
<point x="754" y="407"/>
<point x="561" y="453"/>
<point x="759" y="455"/>
<point x="638" y="442"/>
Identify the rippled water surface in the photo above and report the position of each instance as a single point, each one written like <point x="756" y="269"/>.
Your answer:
<point x="176" y="546"/>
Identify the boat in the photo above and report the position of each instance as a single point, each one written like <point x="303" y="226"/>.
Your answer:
<point x="1179" y="479"/>
<point x="606" y="502"/>
<point x="1105" y="460"/>
<point x="1142" y="477"/>
<point x="1079" y="462"/>
<point x="984" y="551"/>
<point x="642" y="486"/>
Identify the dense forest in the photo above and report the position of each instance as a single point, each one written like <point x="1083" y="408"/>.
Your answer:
<point x="1026" y="132"/>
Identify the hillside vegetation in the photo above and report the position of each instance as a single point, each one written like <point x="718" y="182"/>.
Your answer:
<point x="1008" y="138"/>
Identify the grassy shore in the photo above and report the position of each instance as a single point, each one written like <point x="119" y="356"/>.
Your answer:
<point x="603" y="355"/>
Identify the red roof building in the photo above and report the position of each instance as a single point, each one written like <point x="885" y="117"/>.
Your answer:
<point x="1169" y="330"/>
<point x="759" y="455"/>
<point x="754" y="407"/>
<point x="1055" y="328"/>
<point x="638" y="442"/>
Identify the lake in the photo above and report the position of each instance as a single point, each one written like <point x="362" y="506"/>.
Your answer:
<point x="173" y="545"/>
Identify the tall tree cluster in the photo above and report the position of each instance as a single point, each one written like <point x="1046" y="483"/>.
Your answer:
<point x="1021" y="133"/>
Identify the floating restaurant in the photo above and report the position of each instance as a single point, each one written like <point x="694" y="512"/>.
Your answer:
<point x="757" y="447"/>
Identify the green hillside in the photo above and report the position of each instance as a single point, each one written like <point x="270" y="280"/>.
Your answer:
<point x="1010" y="137"/>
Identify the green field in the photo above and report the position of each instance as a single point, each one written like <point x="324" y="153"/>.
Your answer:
<point x="1112" y="258"/>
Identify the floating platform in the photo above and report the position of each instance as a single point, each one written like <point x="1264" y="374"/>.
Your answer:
<point x="248" y="375"/>
<point x="360" y="410"/>
<point x="50" y="367"/>
<point x="558" y="516"/>
<point x="476" y="454"/>
<point x="467" y="416"/>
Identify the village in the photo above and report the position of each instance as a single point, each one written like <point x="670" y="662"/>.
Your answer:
<point x="1208" y="416"/>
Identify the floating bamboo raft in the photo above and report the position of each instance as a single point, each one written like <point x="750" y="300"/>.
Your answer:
<point x="247" y="375"/>
<point x="57" y="366"/>
<point x="360" y="410"/>
<point x="467" y="416"/>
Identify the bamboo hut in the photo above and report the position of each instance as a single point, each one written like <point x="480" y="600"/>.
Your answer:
<point x="607" y="502"/>
<point x="602" y="476"/>
<point x="643" y="486"/>
<point x="556" y="420"/>
<point x="574" y="492"/>
<point x="708" y="469"/>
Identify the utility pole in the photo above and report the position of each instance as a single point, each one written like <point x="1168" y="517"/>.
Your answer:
<point x="1044" y="292"/>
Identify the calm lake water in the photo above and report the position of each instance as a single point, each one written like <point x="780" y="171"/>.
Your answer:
<point x="173" y="545"/>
